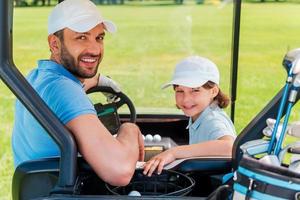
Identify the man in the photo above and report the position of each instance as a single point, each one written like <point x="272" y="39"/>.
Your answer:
<point x="76" y="31"/>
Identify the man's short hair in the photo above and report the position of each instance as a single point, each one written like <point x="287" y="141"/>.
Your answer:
<point x="60" y="35"/>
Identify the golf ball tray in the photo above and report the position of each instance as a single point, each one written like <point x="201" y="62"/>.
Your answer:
<point x="155" y="145"/>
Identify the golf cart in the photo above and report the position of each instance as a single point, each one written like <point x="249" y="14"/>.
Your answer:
<point x="70" y="177"/>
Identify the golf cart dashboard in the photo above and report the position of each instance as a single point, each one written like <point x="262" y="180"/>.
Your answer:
<point x="166" y="125"/>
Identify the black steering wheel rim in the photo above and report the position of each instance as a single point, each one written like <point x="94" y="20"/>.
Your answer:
<point x="123" y="99"/>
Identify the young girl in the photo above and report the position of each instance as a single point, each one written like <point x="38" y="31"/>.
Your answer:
<point x="211" y="132"/>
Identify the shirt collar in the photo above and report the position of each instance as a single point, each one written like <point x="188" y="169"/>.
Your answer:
<point x="194" y="125"/>
<point x="57" y="68"/>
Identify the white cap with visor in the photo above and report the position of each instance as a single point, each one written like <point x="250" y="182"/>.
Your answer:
<point x="193" y="72"/>
<point x="77" y="15"/>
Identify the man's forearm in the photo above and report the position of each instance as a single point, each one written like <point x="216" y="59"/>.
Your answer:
<point x="113" y="159"/>
<point x="130" y="138"/>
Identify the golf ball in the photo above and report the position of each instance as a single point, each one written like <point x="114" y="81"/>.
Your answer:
<point x="148" y="138"/>
<point x="134" y="193"/>
<point x="156" y="138"/>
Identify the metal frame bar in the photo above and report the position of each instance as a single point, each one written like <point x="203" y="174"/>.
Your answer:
<point x="16" y="82"/>
<point x="235" y="55"/>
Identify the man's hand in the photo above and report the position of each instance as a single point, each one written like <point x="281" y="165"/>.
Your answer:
<point x="108" y="82"/>
<point x="141" y="148"/>
<point x="90" y="82"/>
<point x="130" y="135"/>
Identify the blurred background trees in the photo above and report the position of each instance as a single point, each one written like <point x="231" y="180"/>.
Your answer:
<point x="115" y="2"/>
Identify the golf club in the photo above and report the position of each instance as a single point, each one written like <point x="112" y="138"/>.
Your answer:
<point x="295" y="166"/>
<point x="291" y="100"/>
<point x="255" y="147"/>
<point x="288" y="63"/>
<point x="294" y="130"/>
<point x="295" y="150"/>
<point x="287" y="149"/>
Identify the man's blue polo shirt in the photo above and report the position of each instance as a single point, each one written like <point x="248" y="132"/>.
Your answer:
<point x="65" y="96"/>
<point x="212" y="124"/>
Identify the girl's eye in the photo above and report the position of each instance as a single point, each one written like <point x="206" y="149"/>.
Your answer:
<point x="195" y="90"/>
<point x="81" y="37"/>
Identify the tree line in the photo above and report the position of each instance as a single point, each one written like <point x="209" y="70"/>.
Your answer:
<point x="54" y="2"/>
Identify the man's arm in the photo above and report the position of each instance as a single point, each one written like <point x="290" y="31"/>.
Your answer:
<point x="113" y="159"/>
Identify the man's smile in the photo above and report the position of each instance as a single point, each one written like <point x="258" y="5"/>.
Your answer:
<point x="88" y="60"/>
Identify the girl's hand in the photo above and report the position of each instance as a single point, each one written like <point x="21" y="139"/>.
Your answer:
<point x="158" y="162"/>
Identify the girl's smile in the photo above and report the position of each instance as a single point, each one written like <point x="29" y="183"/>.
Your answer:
<point x="192" y="101"/>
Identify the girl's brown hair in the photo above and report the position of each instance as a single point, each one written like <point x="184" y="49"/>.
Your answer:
<point x="222" y="99"/>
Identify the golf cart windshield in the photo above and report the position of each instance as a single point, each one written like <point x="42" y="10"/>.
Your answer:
<point x="151" y="38"/>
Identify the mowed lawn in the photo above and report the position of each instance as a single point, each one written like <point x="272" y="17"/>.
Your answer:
<point x="151" y="39"/>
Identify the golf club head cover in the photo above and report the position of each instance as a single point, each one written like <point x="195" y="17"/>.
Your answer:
<point x="267" y="131"/>
<point x="292" y="129"/>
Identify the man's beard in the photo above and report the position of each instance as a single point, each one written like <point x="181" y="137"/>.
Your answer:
<point x="69" y="62"/>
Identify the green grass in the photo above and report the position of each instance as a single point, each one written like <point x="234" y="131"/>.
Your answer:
<point x="151" y="39"/>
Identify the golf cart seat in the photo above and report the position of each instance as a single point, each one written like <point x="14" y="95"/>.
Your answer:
<point x="27" y="178"/>
<point x="39" y="178"/>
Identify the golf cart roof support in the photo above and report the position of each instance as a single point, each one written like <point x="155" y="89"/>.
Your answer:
<point x="235" y="54"/>
<point x="12" y="77"/>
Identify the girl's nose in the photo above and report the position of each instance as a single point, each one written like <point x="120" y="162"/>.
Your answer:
<point x="186" y="97"/>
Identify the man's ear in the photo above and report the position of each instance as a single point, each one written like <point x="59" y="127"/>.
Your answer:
<point x="54" y="44"/>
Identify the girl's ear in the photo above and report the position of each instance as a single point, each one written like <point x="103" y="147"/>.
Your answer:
<point x="54" y="44"/>
<point x="215" y="91"/>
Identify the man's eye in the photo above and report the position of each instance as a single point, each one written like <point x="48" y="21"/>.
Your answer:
<point x="100" y="38"/>
<point x="195" y="90"/>
<point x="179" y="91"/>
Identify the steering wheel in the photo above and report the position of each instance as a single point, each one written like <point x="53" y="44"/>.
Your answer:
<point x="107" y="112"/>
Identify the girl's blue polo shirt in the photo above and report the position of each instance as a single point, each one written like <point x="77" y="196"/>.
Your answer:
<point x="212" y="124"/>
<point x="65" y="96"/>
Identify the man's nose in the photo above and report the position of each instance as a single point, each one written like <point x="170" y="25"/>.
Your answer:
<point x="95" y="48"/>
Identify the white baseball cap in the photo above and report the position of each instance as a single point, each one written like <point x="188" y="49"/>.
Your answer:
<point x="77" y="15"/>
<point x="193" y="72"/>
